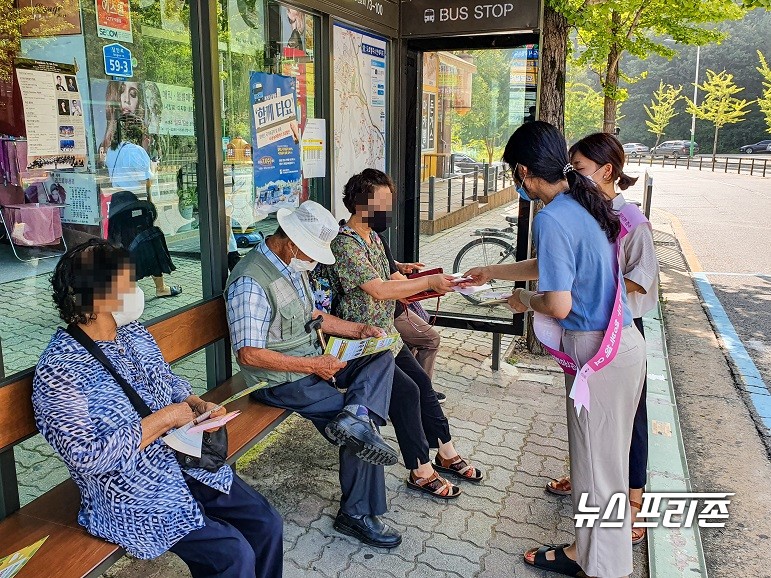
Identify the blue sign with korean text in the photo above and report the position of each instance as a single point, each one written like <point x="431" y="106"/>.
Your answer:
<point x="117" y="61"/>
<point x="275" y="141"/>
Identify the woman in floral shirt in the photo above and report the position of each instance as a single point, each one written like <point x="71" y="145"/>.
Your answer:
<point x="364" y="293"/>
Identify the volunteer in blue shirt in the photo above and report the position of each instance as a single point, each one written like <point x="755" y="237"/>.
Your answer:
<point x="578" y="275"/>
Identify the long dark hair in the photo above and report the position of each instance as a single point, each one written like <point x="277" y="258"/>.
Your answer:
<point x="604" y="149"/>
<point x="541" y="148"/>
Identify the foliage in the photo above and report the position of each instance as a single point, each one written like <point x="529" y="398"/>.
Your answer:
<point x="486" y="125"/>
<point x="608" y="29"/>
<point x="662" y="109"/>
<point x="764" y="101"/>
<point x="48" y="22"/>
<point x="743" y="37"/>
<point x="719" y="106"/>
<point x="188" y="196"/>
<point x="583" y="110"/>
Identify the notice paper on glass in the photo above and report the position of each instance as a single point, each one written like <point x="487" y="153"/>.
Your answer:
<point x="11" y="565"/>
<point x="348" y="349"/>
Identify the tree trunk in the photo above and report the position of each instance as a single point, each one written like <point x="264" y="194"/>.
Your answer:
<point x="658" y="138"/>
<point x="610" y="85"/>
<point x="554" y="52"/>
<point x="714" y="146"/>
<point x="553" y="67"/>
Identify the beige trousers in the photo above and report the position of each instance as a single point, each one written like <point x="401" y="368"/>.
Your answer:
<point x="421" y="338"/>
<point x="599" y="443"/>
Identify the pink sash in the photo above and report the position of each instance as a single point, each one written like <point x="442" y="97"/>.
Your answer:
<point x="549" y="332"/>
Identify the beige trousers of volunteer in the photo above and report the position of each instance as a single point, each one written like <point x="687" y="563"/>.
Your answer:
<point x="599" y="443"/>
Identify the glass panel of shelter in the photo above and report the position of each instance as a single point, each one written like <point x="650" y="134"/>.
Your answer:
<point x="471" y="103"/>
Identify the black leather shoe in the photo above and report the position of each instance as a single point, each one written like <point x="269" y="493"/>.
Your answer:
<point x="369" y="529"/>
<point x="359" y="434"/>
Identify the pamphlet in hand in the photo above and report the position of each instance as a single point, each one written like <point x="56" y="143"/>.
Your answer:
<point x="459" y="278"/>
<point x="11" y="565"/>
<point x="348" y="349"/>
<point x="189" y="438"/>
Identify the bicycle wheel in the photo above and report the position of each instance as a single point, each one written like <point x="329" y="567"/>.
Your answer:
<point x="481" y="253"/>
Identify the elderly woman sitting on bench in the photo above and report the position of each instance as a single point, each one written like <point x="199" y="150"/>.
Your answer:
<point x="133" y="491"/>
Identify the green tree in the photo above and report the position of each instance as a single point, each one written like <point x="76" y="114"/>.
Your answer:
<point x="486" y="125"/>
<point x="719" y="106"/>
<point x="662" y="109"/>
<point x="764" y="101"/>
<point x="608" y="29"/>
<point x="583" y="110"/>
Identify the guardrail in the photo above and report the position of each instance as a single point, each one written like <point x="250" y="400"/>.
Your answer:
<point x="739" y="165"/>
<point x="457" y="190"/>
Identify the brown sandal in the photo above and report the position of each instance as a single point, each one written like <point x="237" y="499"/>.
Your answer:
<point x="560" y="486"/>
<point x="459" y="467"/>
<point x="638" y="534"/>
<point x="434" y="485"/>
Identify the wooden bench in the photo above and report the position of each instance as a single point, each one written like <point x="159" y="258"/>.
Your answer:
<point x="70" y="551"/>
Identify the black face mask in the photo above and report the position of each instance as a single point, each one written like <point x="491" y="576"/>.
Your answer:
<point x="379" y="221"/>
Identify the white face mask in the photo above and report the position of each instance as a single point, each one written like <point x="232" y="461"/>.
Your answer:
<point x="132" y="307"/>
<point x="299" y="266"/>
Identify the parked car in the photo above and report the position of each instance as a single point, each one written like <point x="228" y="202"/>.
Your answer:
<point x="763" y="146"/>
<point x="675" y="149"/>
<point x="632" y="149"/>
<point x="465" y="164"/>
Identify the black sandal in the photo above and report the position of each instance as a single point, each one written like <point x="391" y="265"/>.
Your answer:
<point x="561" y="563"/>
<point x="174" y="290"/>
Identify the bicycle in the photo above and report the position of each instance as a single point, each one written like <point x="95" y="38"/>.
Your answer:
<point x="493" y="247"/>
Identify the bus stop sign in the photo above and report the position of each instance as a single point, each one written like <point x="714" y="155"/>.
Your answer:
<point x="117" y="61"/>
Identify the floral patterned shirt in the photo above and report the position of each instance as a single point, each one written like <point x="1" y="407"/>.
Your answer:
<point x="357" y="263"/>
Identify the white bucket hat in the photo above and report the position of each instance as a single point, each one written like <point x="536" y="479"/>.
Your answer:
<point x="312" y="228"/>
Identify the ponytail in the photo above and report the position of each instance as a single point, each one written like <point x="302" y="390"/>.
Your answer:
<point x="585" y="192"/>
<point x="625" y="181"/>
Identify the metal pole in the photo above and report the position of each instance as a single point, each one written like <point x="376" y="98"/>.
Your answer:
<point x="496" y="365"/>
<point x="463" y="191"/>
<point x="476" y="183"/>
<point x="431" y="187"/>
<point x="449" y="195"/>
<point x="486" y="178"/>
<point x="695" y="94"/>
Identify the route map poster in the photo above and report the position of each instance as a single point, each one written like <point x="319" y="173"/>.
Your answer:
<point x="360" y="97"/>
<point x="275" y="142"/>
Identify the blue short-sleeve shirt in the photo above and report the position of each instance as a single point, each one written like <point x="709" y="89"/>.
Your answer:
<point x="574" y="255"/>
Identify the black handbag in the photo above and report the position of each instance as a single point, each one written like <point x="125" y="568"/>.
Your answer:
<point x="214" y="450"/>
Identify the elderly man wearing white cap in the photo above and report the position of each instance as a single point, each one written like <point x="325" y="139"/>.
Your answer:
<point x="269" y="307"/>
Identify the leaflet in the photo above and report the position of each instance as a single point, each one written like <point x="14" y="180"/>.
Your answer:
<point x="349" y="349"/>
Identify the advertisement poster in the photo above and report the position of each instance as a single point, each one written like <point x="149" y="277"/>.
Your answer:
<point x="169" y="109"/>
<point x="428" y="123"/>
<point x="53" y="114"/>
<point x="517" y="77"/>
<point x="315" y="148"/>
<point x="359" y="104"/>
<point x="56" y="19"/>
<point x="78" y="192"/>
<point x="113" y="20"/>
<point x="275" y="142"/>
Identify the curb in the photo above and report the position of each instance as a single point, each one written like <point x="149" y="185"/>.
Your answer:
<point x="672" y="552"/>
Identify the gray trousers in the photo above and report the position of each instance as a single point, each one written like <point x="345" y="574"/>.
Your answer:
<point x="599" y="443"/>
<point x="369" y="381"/>
<point x="421" y="338"/>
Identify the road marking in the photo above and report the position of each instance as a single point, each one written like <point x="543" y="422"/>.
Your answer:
<point x="750" y="378"/>
<point x="718" y="273"/>
<point x="685" y="245"/>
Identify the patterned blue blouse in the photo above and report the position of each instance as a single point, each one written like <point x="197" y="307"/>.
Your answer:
<point x="136" y="499"/>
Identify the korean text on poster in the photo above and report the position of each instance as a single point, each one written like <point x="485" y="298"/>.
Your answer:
<point x="53" y="115"/>
<point x="78" y="193"/>
<point x="275" y="141"/>
<point x="113" y="20"/>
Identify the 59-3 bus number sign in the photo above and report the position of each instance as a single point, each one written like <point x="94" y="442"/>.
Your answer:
<point x="117" y="61"/>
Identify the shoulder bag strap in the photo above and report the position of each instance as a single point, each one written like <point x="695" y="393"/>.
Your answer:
<point x="80" y="336"/>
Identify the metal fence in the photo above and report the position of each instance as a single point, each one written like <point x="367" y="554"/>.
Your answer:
<point x="445" y="195"/>
<point x="739" y="165"/>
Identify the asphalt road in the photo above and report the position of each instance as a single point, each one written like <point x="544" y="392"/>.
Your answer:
<point x="726" y="233"/>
